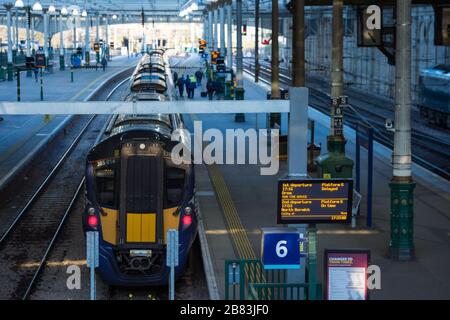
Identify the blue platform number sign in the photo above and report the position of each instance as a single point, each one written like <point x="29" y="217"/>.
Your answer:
<point x="280" y="248"/>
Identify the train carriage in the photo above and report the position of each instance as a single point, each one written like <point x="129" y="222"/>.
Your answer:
<point x="135" y="193"/>
<point x="434" y="93"/>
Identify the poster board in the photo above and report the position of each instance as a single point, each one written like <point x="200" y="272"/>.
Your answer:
<point x="346" y="274"/>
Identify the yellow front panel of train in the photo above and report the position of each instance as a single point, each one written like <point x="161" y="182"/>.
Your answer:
<point x="141" y="227"/>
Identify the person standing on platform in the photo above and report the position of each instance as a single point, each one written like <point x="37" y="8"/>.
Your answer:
<point x="192" y="85"/>
<point x="199" y="76"/>
<point x="188" y="86"/>
<point x="210" y="89"/>
<point x="104" y="63"/>
<point x="175" y="77"/>
<point x="36" y="74"/>
<point x="180" y="84"/>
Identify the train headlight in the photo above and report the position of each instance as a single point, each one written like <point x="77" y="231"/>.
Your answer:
<point x="92" y="221"/>
<point x="91" y="211"/>
<point x="187" y="211"/>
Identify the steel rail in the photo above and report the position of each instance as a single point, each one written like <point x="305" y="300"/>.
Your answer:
<point x="379" y="135"/>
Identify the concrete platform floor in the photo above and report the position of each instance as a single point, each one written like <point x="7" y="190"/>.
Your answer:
<point x="20" y="134"/>
<point x="240" y="191"/>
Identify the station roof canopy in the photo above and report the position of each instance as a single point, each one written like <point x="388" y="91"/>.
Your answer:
<point x="174" y="7"/>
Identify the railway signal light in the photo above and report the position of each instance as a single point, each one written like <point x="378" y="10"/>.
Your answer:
<point x="214" y="56"/>
<point x="244" y="29"/>
<point x="201" y="45"/>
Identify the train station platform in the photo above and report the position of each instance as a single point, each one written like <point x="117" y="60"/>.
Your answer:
<point x="235" y="202"/>
<point x="21" y="136"/>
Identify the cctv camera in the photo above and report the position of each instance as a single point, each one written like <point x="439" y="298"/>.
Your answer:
<point x="389" y="125"/>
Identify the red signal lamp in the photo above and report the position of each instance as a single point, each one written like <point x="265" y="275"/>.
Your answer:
<point x="92" y="221"/>
<point x="187" y="220"/>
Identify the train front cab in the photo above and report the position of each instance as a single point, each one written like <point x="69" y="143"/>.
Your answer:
<point x="138" y="199"/>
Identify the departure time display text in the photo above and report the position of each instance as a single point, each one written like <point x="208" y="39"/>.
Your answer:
<point x="314" y="201"/>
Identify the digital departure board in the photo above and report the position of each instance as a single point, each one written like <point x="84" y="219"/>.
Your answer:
<point x="314" y="201"/>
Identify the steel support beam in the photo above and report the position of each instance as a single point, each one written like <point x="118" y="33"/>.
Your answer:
<point x="257" y="40"/>
<point x="298" y="44"/>
<point x="229" y="35"/>
<point x="143" y="107"/>
<point x="335" y="164"/>
<point x="107" y="37"/>
<point x="61" y="44"/>
<point x="402" y="185"/>
<point x="87" y="45"/>
<point x="222" y="29"/>
<point x="337" y="53"/>
<point x="74" y="33"/>
<point x="9" y="69"/>
<point x="216" y="31"/>
<point x="239" y="56"/>
<point x="28" y="26"/>
<point x="210" y="42"/>
<point x="97" y="28"/>
<point x="16" y="31"/>
<point x="275" y="94"/>
<point x="45" y="18"/>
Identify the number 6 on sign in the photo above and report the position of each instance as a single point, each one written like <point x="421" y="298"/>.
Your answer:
<point x="280" y="248"/>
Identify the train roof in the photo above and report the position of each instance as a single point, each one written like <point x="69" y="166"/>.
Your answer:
<point x="150" y="122"/>
<point x="441" y="71"/>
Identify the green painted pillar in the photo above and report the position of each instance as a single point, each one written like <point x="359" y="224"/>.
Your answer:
<point x="229" y="90"/>
<point x="401" y="246"/>
<point x="335" y="164"/>
<point x="9" y="71"/>
<point x="62" y="66"/>
<point x="239" y="94"/>
<point x="312" y="262"/>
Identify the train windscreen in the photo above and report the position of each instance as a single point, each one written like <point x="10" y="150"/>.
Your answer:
<point x="175" y="178"/>
<point x="105" y="182"/>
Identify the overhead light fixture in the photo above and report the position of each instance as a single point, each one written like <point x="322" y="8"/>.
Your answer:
<point x="114" y="16"/>
<point x="19" y="4"/>
<point x="51" y="9"/>
<point x="75" y="12"/>
<point x="64" y="11"/>
<point x="37" y="7"/>
<point x="84" y="13"/>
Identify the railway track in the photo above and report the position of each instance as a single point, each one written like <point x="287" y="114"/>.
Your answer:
<point x="27" y="242"/>
<point x="428" y="151"/>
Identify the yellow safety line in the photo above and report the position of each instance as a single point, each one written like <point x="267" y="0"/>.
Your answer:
<point x="234" y="224"/>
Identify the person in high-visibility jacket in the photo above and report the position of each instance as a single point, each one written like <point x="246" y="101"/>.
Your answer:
<point x="191" y="85"/>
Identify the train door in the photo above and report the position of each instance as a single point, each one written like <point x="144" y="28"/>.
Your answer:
<point x="141" y="196"/>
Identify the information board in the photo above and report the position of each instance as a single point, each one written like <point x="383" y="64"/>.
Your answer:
<point x="346" y="274"/>
<point x="314" y="201"/>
